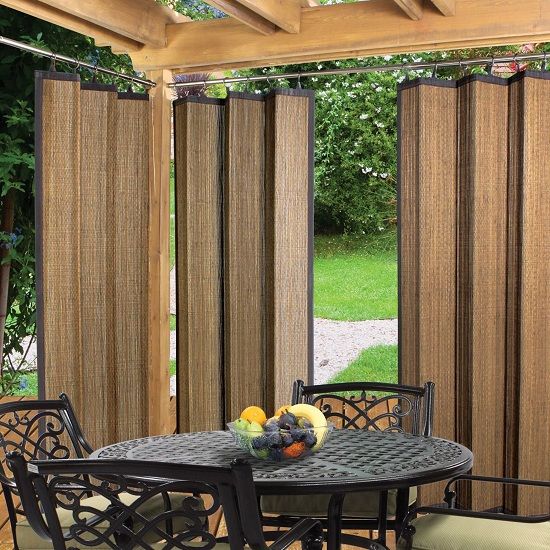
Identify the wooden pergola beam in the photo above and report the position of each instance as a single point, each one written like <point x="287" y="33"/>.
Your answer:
<point x="235" y="9"/>
<point x="143" y="21"/>
<point x="102" y="36"/>
<point x="446" y="7"/>
<point x="342" y="31"/>
<point x="285" y="14"/>
<point x="413" y="8"/>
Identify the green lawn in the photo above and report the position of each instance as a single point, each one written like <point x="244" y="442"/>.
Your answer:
<point x="355" y="278"/>
<point x="29" y="384"/>
<point x="376" y="364"/>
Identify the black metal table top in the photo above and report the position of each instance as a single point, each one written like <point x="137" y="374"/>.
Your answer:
<point x="350" y="459"/>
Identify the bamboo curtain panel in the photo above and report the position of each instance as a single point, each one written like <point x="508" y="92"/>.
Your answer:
<point x="244" y="169"/>
<point x="475" y="269"/>
<point x="92" y="189"/>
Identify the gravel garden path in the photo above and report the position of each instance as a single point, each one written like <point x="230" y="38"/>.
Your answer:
<point x="336" y="343"/>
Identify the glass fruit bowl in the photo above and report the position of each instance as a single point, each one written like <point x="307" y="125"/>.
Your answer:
<point x="280" y="444"/>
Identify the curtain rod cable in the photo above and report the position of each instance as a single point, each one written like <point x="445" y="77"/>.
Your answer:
<point x="72" y="61"/>
<point x="417" y="66"/>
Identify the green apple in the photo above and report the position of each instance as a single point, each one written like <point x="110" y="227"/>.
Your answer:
<point x="255" y="427"/>
<point x="241" y="424"/>
<point x="262" y="454"/>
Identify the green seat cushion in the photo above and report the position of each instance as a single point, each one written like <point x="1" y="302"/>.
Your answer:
<point x="28" y="539"/>
<point x="356" y="505"/>
<point x="441" y="532"/>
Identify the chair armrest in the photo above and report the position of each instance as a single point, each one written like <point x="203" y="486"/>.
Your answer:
<point x="500" y="516"/>
<point x="296" y="533"/>
<point x="450" y="495"/>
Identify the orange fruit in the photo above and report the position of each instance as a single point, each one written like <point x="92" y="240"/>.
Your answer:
<point x="294" y="450"/>
<point x="282" y="410"/>
<point x="254" y="414"/>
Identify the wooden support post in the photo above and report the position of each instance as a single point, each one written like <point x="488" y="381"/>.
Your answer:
<point x="159" y="254"/>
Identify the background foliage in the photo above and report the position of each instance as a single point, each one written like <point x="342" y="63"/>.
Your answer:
<point x="356" y="136"/>
<point x="17" y="162"/>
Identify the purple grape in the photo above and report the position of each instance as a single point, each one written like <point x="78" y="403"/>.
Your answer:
<point x="287" y="421"/>
<point x="298" y="434"/>
<point x="286" y="438"/>
<point x="310" y="440"/>
<point x="274" y="440"/>
<point x="276" y="454"/>
<point x="259" y="442"/>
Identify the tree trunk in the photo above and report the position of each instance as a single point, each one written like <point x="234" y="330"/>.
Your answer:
<point x="6" y="226"/>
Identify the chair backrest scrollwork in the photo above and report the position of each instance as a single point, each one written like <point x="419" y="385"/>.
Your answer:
<point x="372" y="405"/>
<point x="139" y="504"/>
<point x="39" y="429"/>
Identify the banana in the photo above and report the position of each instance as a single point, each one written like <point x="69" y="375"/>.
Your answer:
<point x="315" y="416"/>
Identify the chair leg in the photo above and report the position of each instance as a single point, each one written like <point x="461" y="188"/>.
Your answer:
<point x="334" y="521"/>
<point x="382" y="516"/>
<point x="401" y="511"/>
<point x="314" y="539"/>
<point x="12" y="514"/>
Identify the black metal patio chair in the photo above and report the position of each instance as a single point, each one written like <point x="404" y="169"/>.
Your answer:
<point x="43" y="429"/>
<point x="451" y="528"/>
<point x="51" y="493"/>
<point x="38" y="429"/>
<point x="359" y="405"/>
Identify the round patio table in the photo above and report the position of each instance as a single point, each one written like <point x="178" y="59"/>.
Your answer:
<point x="351" y="460"/>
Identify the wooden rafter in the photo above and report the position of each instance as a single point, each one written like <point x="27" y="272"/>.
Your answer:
<point x="446" y="7"/>
<point x="143" y="21"/>
<point x="285" y="14"/>
<point x="413" y="8"/>
<point x="347" y="30"/>
<point x="309" y="3"/>
<point x="245" y="15"/>
<point x="102" y="36"/>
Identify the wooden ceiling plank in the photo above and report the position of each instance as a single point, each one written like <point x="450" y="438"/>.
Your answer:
<point x="285" y="14"/>
<point x="413" y="8"/>
<point x="102" y="37"/>
<point x="342" y="31"/>
<point x="141" y="20"/>
<point x="446" y="7"/>
<point x="235" y="9"/>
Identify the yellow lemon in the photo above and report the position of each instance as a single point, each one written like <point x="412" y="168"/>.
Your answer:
<point x="282" y="410"/>
<point x="254" y="414"/>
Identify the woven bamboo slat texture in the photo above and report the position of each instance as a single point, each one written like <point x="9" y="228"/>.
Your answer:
<point x="427" y="271"/>
<point x="92" y="242"/>
<point x="289" y="122"/>
<point x="502" y="263"/>
<point x="58" y="232"/>
<point x="97" y="112"/>
<point x="199" y="157"/>
<point x="244" y="259"/>
<point x="129" y="271"/>
<point x="244" y="262"/>
<point x="481" y="336"/>
<point x="529" y="289"/>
